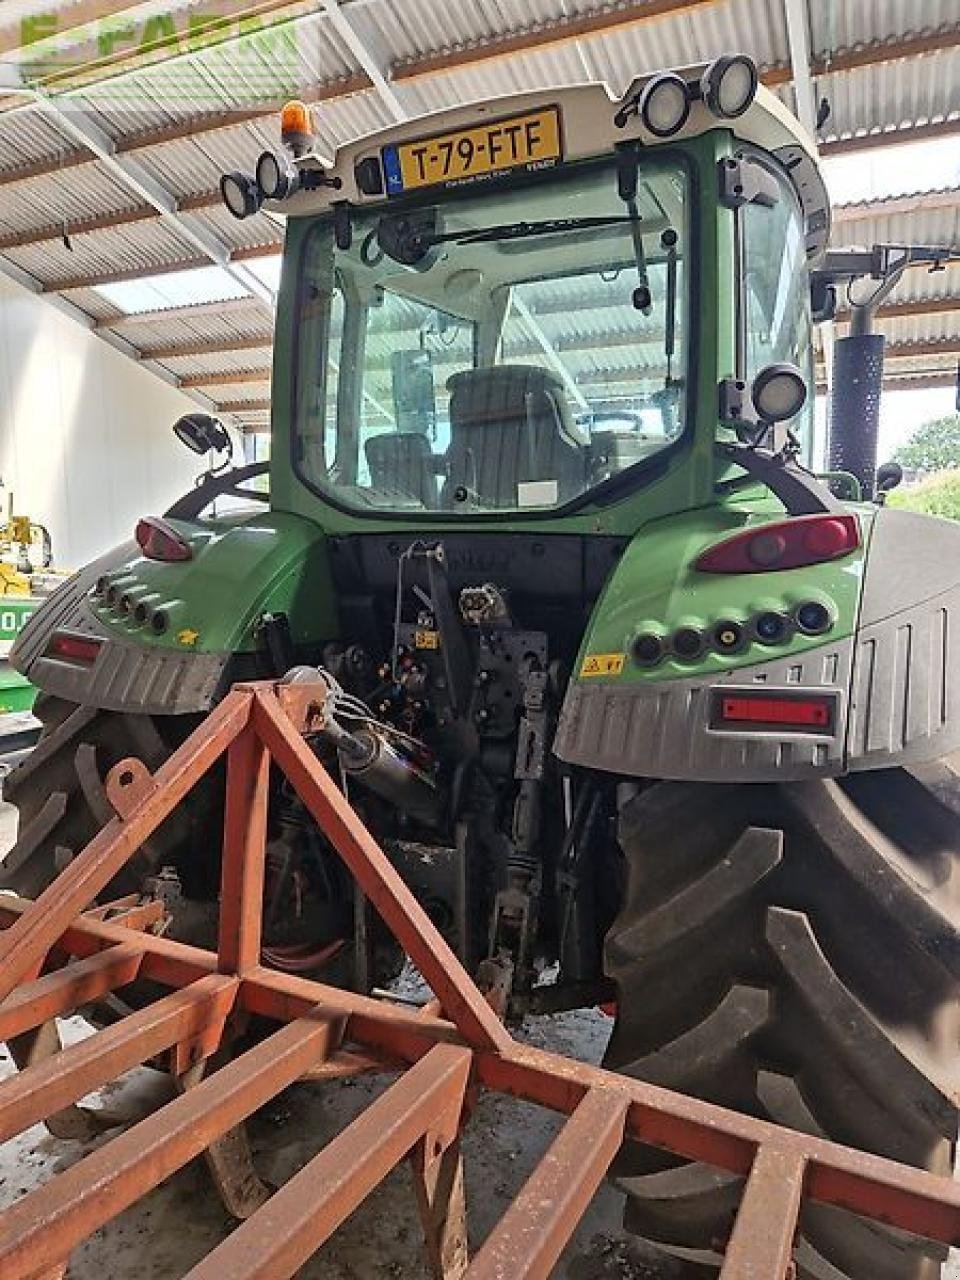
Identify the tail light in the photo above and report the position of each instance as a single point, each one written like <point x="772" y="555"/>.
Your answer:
<point x="811" y="713"/>
<point x="789" y="544"/>
<point x="160" y="541"/>
<point x="68" y="647"/>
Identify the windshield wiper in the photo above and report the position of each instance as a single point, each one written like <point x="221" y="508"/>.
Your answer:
<point x="410" y="238"/>
<point x="521" y="230"/>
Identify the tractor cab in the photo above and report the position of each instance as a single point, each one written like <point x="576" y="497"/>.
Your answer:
<point x="514" y="310"/>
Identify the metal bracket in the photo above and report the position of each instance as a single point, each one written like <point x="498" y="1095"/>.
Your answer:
<point x="800" y="492"/>
<point x="742" y="180"/>
<point x="129" y="783"/>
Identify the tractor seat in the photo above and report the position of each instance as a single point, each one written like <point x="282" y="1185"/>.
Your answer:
<point x="511" y="427"/>
<point x="402" y="464"/>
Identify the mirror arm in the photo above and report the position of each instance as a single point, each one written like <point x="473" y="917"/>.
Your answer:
<point x="213" y="486"/>
<point x="801" y="493"/>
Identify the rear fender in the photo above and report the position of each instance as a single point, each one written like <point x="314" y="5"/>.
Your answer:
<point x="212" y="605"/>
<point x="890" y="663"/>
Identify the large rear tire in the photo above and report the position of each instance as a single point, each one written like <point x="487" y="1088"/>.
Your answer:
<point x="793" y="952"/>
<point x="59" y="793"/>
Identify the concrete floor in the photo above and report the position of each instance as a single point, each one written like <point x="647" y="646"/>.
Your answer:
<point x="165" y="1234"/>
<point x="162" y="1236"/>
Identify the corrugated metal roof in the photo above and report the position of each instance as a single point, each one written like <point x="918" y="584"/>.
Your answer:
<point x="923" y="226"/>
<point x="73" y="195"/>
<point x="218" y="325"/>
<point x="893" y="94"/>
<point x="835" y="24"/>
<point x="149" y="245"/>
<point x="226" y="364"/>
<point x="26" y="136"/>
<point x="932" y="328"/>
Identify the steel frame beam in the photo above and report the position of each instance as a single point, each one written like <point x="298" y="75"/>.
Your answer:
<point x="418" y="1118"/>
<point x="798" y="40"/>
<point x="368" y="62"/>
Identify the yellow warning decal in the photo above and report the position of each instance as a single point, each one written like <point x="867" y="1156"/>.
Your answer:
<point x="603" y="664"/>
<point x="426" y="640"/>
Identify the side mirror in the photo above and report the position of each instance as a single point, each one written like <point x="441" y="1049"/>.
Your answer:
<point x="414" y="391"/>
<point x="889" y="475"/>
<point x="201" y="432"/>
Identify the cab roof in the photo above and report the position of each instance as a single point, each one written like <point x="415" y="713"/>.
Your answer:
<point x="589" y="129"/>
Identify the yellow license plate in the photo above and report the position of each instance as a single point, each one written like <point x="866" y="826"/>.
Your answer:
<point x="519" y="142"/>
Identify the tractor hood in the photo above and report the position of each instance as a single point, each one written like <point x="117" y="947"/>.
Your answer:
<point x="159" y="635"/>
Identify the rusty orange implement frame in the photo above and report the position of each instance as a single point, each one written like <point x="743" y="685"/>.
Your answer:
<point x="324" y="1032"/>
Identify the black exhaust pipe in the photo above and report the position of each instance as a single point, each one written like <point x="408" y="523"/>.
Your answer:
<point x="854" y="419"/>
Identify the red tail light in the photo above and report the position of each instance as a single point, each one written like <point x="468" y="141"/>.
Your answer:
<point x="66" y="646"/>
<point x="789" y="544"/>
<point x="159" y="541"/>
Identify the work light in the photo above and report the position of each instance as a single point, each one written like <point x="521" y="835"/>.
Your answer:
<point x="779" y="392"/>
<point x="240" y="194"/>
<point x="729" y="85"/>
<point x="664" y="104"/>
<point x="276" y="179"/>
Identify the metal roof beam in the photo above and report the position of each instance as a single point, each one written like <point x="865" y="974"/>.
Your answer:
<point x="913" y="202"/>
<point x="908" y="382"/>
<point x="798" y="41"/>
<point x="913" y="350"/>
<point x="227" y="378"/>
<point x="365" y="57"/>
<point x="169" y="267"/>
<point x="872" y="54"/>
<point x="244" y="406"/>
<point x="901" y="136"/>
<point x="917" y="307"/>
<point x="106" y="221"/>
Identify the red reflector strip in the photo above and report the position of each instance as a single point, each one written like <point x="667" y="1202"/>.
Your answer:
<point x="809" y="713"/>
<point x="71" y="648"/>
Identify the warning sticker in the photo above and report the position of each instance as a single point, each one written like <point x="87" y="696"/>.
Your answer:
<point x="603" y="664"/>
<point x="426" y="640"/>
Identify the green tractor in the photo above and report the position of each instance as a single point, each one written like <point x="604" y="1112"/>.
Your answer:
<point x="642" y="709"/>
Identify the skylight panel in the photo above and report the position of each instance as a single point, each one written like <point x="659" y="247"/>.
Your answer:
<point x="267" y="270"/>
<point x="898" y="170"/>
<point x="172" y="289"/>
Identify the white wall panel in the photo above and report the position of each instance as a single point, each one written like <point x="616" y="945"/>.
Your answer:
<point x="85" y="439"/>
